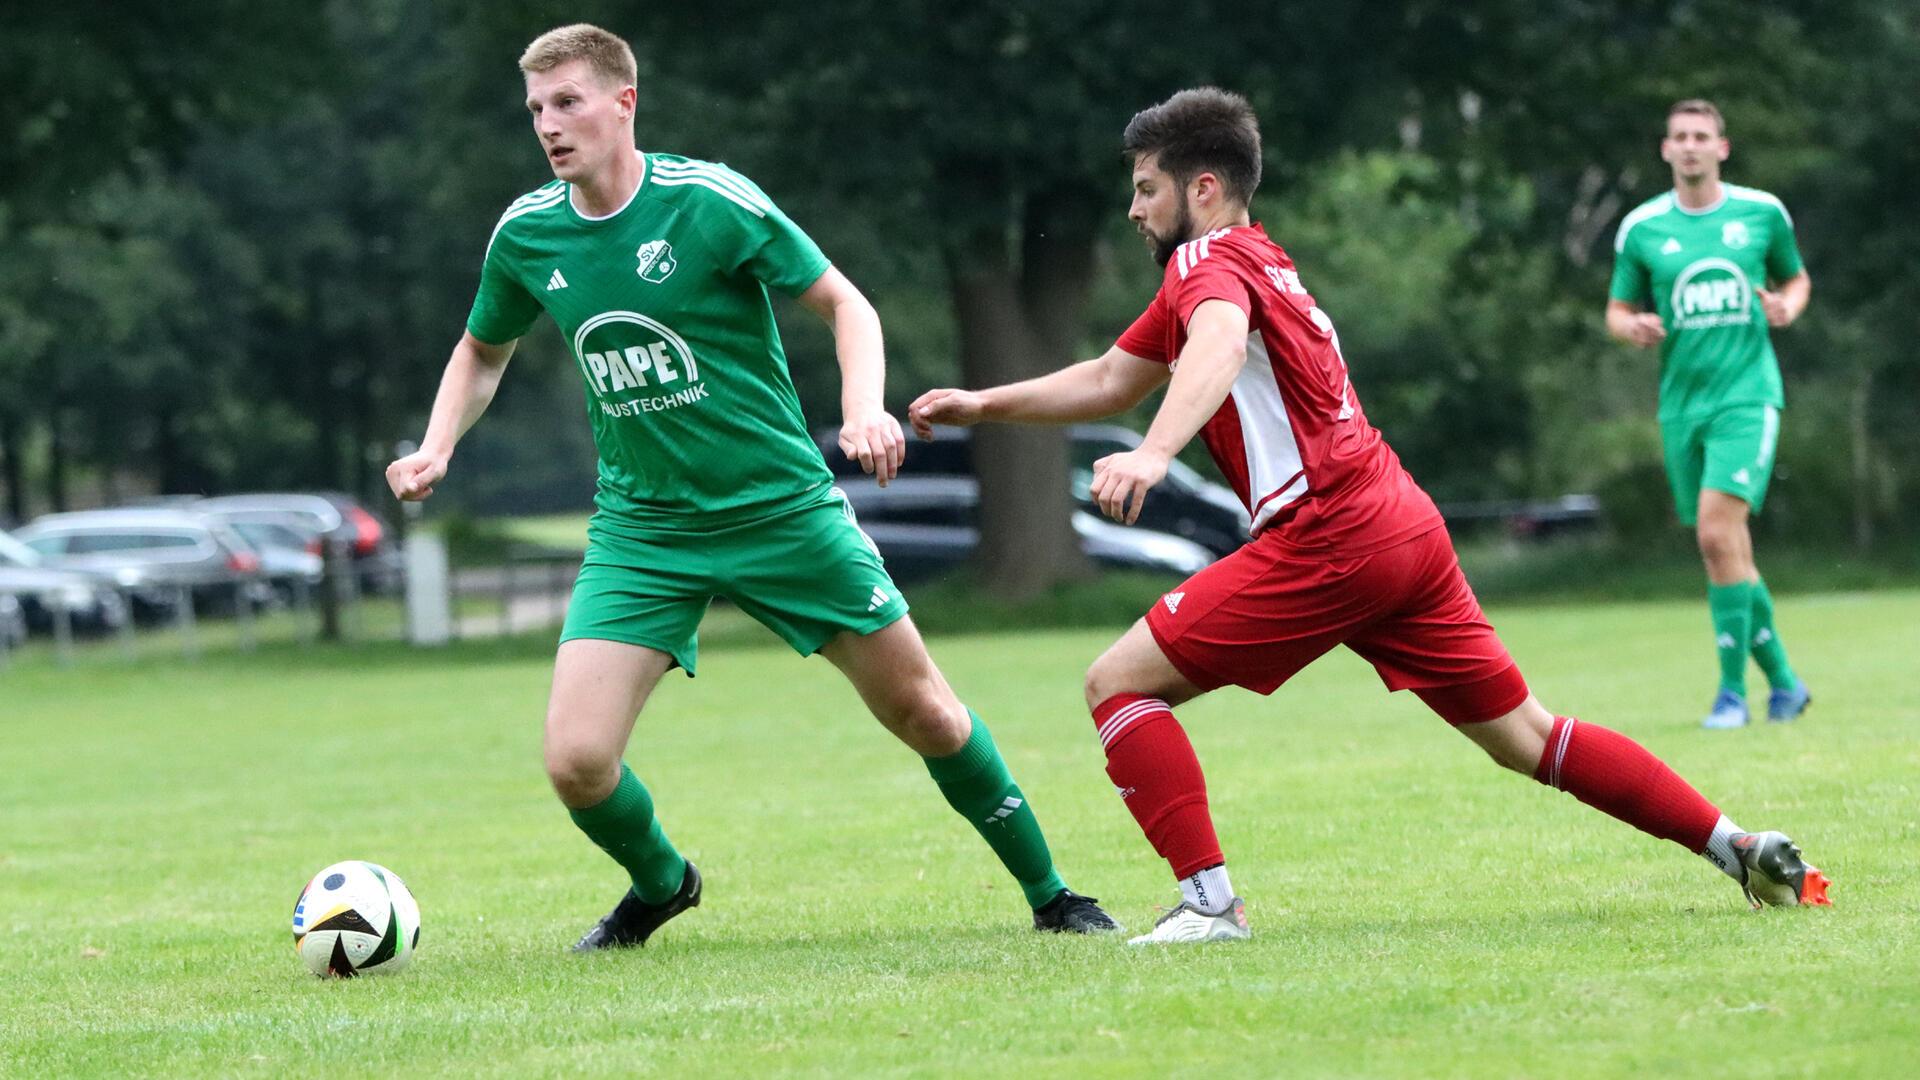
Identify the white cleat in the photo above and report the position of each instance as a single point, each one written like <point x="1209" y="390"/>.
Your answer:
<point x="1187" y="923"/>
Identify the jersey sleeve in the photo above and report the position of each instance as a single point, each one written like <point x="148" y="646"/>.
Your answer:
<point x="1783" y="251"/>
<point x="752" y="236"/>
<point x="1147" y="337"/>
<point x="1632" y="282"/>
<point x="503" y="310"/>
<point x="1206" y="279"/>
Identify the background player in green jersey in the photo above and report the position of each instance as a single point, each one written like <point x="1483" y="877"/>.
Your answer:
<point x="1703" y="271"/>
<point x="656" y="268"/>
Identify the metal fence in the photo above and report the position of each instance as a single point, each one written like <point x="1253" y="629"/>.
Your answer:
<point x="522" y="590"/>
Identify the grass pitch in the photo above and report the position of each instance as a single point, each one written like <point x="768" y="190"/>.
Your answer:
<point x="1416" y="910"/>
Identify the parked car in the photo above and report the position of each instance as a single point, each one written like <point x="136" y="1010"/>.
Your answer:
<point x="1185" y="504"/>
<point x="925" y="525"/>
<point x="152" y="554"/>
<point x="333" y="516"/>
<point x="42" y="592"/>
<point x="289" y="548"/>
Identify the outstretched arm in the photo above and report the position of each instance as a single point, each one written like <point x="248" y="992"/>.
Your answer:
<point x="1215" y="352"/>
<point x="1089" y="390"/>
<point x="466" y="389"/>
<point x="868" y="434"/>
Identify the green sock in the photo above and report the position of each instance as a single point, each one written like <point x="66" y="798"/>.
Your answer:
<point x="1767" y="648"/>
<point x="1732" y="607"/>
<point x="977" y="785"/>
<point x="625" y="828"/>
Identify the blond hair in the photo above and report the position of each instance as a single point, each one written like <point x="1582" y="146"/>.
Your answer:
<point x="608" y="55"/>
<point x="1700" y="107"/>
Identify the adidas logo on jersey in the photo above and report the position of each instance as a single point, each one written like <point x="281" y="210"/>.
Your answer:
<point x="1671" y="246"/>
<point x="880" y="599"/>
<point x="1172" y="601"/>
<point x="556" y="281"/>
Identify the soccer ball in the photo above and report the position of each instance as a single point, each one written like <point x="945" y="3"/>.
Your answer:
<point x="355" y="917"/>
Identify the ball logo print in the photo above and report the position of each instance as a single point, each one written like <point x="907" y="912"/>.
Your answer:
<point x="355" y="917"/>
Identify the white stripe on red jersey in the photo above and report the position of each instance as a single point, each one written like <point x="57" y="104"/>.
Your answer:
<point x="1290" y="438"/>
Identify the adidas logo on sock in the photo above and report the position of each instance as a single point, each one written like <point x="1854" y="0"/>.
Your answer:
<point x="1724" y="641"/>
<point x="1006" y="810"/>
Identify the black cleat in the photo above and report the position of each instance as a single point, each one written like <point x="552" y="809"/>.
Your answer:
<point x="633" y="920"/>
<point x="1071" y="913"/>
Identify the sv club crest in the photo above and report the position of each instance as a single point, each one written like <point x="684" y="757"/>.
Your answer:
<point x="656" y="261"/>
<point x="1734" y="234"/>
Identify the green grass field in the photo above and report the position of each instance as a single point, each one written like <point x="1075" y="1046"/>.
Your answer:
<point x="1416" y="911"/>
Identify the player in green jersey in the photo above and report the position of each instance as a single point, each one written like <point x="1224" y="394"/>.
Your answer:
<point x="656" y="269"/>
<point x="1702" y="272"/>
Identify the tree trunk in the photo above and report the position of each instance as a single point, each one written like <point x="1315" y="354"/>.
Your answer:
<point x="1858" y="411"/>
<point x="11" y="472"/>
<point x="1027" y="542"/>
<point x="56" y="462"/>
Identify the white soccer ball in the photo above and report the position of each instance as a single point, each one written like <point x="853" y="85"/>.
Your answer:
<point x="355" y="917"/>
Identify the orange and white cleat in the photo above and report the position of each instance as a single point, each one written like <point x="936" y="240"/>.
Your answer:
<point x="1775" y="875"/>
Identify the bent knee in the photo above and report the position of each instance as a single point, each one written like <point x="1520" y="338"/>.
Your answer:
<point x="582" y="774"/>
<point x="1715" y="541"/>
<point x="1104" y="679"/>
<point x="929" y="719"/>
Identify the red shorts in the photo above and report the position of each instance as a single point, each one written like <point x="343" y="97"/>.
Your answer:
<point x="1256" y="617"/>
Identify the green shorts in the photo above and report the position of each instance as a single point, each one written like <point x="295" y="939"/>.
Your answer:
<point x="1731" y="451"/>
<point x="806" y="574"/>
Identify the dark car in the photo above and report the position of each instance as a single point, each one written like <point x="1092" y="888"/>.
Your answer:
<point x="1185" y="504"/>
<point x="926" y="525"/>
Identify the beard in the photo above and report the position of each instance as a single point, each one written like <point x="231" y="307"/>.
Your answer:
<point x="1164" y="246"/>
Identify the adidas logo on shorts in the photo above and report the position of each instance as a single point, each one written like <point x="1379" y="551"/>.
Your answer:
<point x="1172" y="601"/>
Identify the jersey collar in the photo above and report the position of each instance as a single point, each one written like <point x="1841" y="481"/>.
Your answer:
<point x="595" y="220"/>
<point x="1705" y="210"/>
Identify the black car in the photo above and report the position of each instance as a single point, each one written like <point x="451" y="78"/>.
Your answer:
<point x="926" y="525"/>
<point x="1185" y="504"/>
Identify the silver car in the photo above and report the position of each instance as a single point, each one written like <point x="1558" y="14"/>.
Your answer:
<point x="336" y="517"/>
<point x="289" y="549"/>
<point x="153" y="554"/>
<point x="46" y="595"/>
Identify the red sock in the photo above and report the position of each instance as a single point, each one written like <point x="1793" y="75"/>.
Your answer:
<point x="1150" y="760"/>
<point x="1612" y="773"/>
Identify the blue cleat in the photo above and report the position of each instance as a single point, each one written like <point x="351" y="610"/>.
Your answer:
<point x="1729" y="711"/>
<point x="1785" y="705"/>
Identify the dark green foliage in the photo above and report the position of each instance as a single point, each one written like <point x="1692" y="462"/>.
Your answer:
<point x="241" y="241"/>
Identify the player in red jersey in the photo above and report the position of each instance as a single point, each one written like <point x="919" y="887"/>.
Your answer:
<point x="1346" y="549"/>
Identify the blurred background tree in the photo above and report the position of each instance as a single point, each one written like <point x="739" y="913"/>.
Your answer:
<point x="241" y="242"/>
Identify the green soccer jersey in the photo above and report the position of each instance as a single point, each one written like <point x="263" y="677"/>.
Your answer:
<point x="664" y="307"/>
<point x="1699" y="270"/>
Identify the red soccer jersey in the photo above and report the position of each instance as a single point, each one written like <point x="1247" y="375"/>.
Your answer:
<point x="1290" y="438"/>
